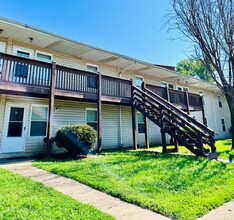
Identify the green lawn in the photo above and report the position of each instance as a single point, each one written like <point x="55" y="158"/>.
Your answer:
<point x="223" y="148"/>
<point x="181" y="187"/>
<point x="22" y="198"/>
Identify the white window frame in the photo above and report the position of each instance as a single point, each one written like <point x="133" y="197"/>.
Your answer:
<point x="43" y="53"/>
<point x="30" y="122"/>
<point x="167" y="85"/>
<point x="92" y="109"/>
<point x="22" y="49"/>
<point x="182" y="88"/>
<point x="171" y="85"/>
<point x="93" y="65"/>
<point x="163" y="82"/>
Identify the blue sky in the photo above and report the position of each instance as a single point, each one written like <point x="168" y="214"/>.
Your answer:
<point x="129" y="27"/>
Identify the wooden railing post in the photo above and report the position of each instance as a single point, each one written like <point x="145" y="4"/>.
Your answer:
<point x="145" y="121"/>
<point x="200" y="144"/>
<point x="133" y="111"/>
<point x="163" y="134"/>
<point x="99" y="111"/>
<point x="51" y="112"/>
<point x="187" y="102"/>
<point x="203" y="111"/>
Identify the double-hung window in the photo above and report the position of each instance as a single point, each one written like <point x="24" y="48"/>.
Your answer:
<point x="21" y="69"/>
<point x="92" y="81"/>
<point x="39" y="120"/>
<point x="91" y="118"/>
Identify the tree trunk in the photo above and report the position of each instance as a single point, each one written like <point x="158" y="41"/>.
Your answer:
<point x="230" y="101"/>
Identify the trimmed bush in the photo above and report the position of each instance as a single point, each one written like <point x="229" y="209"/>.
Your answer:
<point x="76" y="139"/>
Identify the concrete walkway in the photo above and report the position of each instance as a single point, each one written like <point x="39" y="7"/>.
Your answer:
<point x="111" y="205"/>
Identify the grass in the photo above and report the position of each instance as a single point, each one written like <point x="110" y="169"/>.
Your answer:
<point x="181" y="187"/>
<point x="22" y="198"/>
<point x="223" y="148"/>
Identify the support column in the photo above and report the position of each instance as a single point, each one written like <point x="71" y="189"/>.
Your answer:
<point x="133" y="111"/>
<point x="51" y="112"/>
<point x="146" y="133"/>
<point x="203" y="111"/>
<point x="163" y="134"/>
<point x="187" y="102"/>
<point x="145" y="122"/>
<point x="99" y="111"/>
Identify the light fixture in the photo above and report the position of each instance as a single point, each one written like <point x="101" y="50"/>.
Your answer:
<point x="1" y="31"/>
<point x="31" y="39"/>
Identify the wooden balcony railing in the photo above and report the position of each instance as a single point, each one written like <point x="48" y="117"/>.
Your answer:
<point x="179" y="98"/>
<point x="33" y="76"/>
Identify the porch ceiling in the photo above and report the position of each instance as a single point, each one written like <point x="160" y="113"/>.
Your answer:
<point x="44" y="39"/>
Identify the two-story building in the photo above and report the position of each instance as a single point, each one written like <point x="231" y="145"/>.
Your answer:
<point x="47" y="81"/>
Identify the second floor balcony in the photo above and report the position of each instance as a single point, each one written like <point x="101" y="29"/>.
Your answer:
<point x="22" y="76"/>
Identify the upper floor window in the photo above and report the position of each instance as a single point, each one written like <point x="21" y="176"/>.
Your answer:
<point x="21" y="69"/>
<point x="138" y="81"/>
<point x="43" y="57"/>
<point x="184" y="89"/>
<point x="169" y="85"/>
<point x="220" y="102"/>
<point x="92" y="68"/>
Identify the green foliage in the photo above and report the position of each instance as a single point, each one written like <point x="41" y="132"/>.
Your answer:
<point x="22" y="198"/>
<point x="76" y="139"/>
<point x="195" y="68"/>
<point x="181" y="187"/>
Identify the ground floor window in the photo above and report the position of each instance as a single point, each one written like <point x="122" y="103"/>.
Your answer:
<point x="39" y="119"/>
<point x="140" y="123"/>
<point x="91" y="118"/>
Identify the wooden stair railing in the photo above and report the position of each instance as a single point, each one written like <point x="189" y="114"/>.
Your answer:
<point x="182" y="127"/>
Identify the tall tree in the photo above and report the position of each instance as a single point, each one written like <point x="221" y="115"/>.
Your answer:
<point x="195" y="68"/>
<point x="209" y="24"/>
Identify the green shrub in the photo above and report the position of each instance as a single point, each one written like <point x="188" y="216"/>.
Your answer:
<point x="76" y="139"/>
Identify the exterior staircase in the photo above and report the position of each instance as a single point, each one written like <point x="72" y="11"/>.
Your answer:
<point x="183" y="129"/>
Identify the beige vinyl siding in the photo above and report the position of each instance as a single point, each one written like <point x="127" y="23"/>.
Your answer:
<point x="67" y="60"/>
<point x="110" y="126"/>
<point x="126" y="119"/>
<point x="2" y="114"/>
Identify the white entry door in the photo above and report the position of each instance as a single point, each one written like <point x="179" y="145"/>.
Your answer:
<point x="14" y="128"/>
